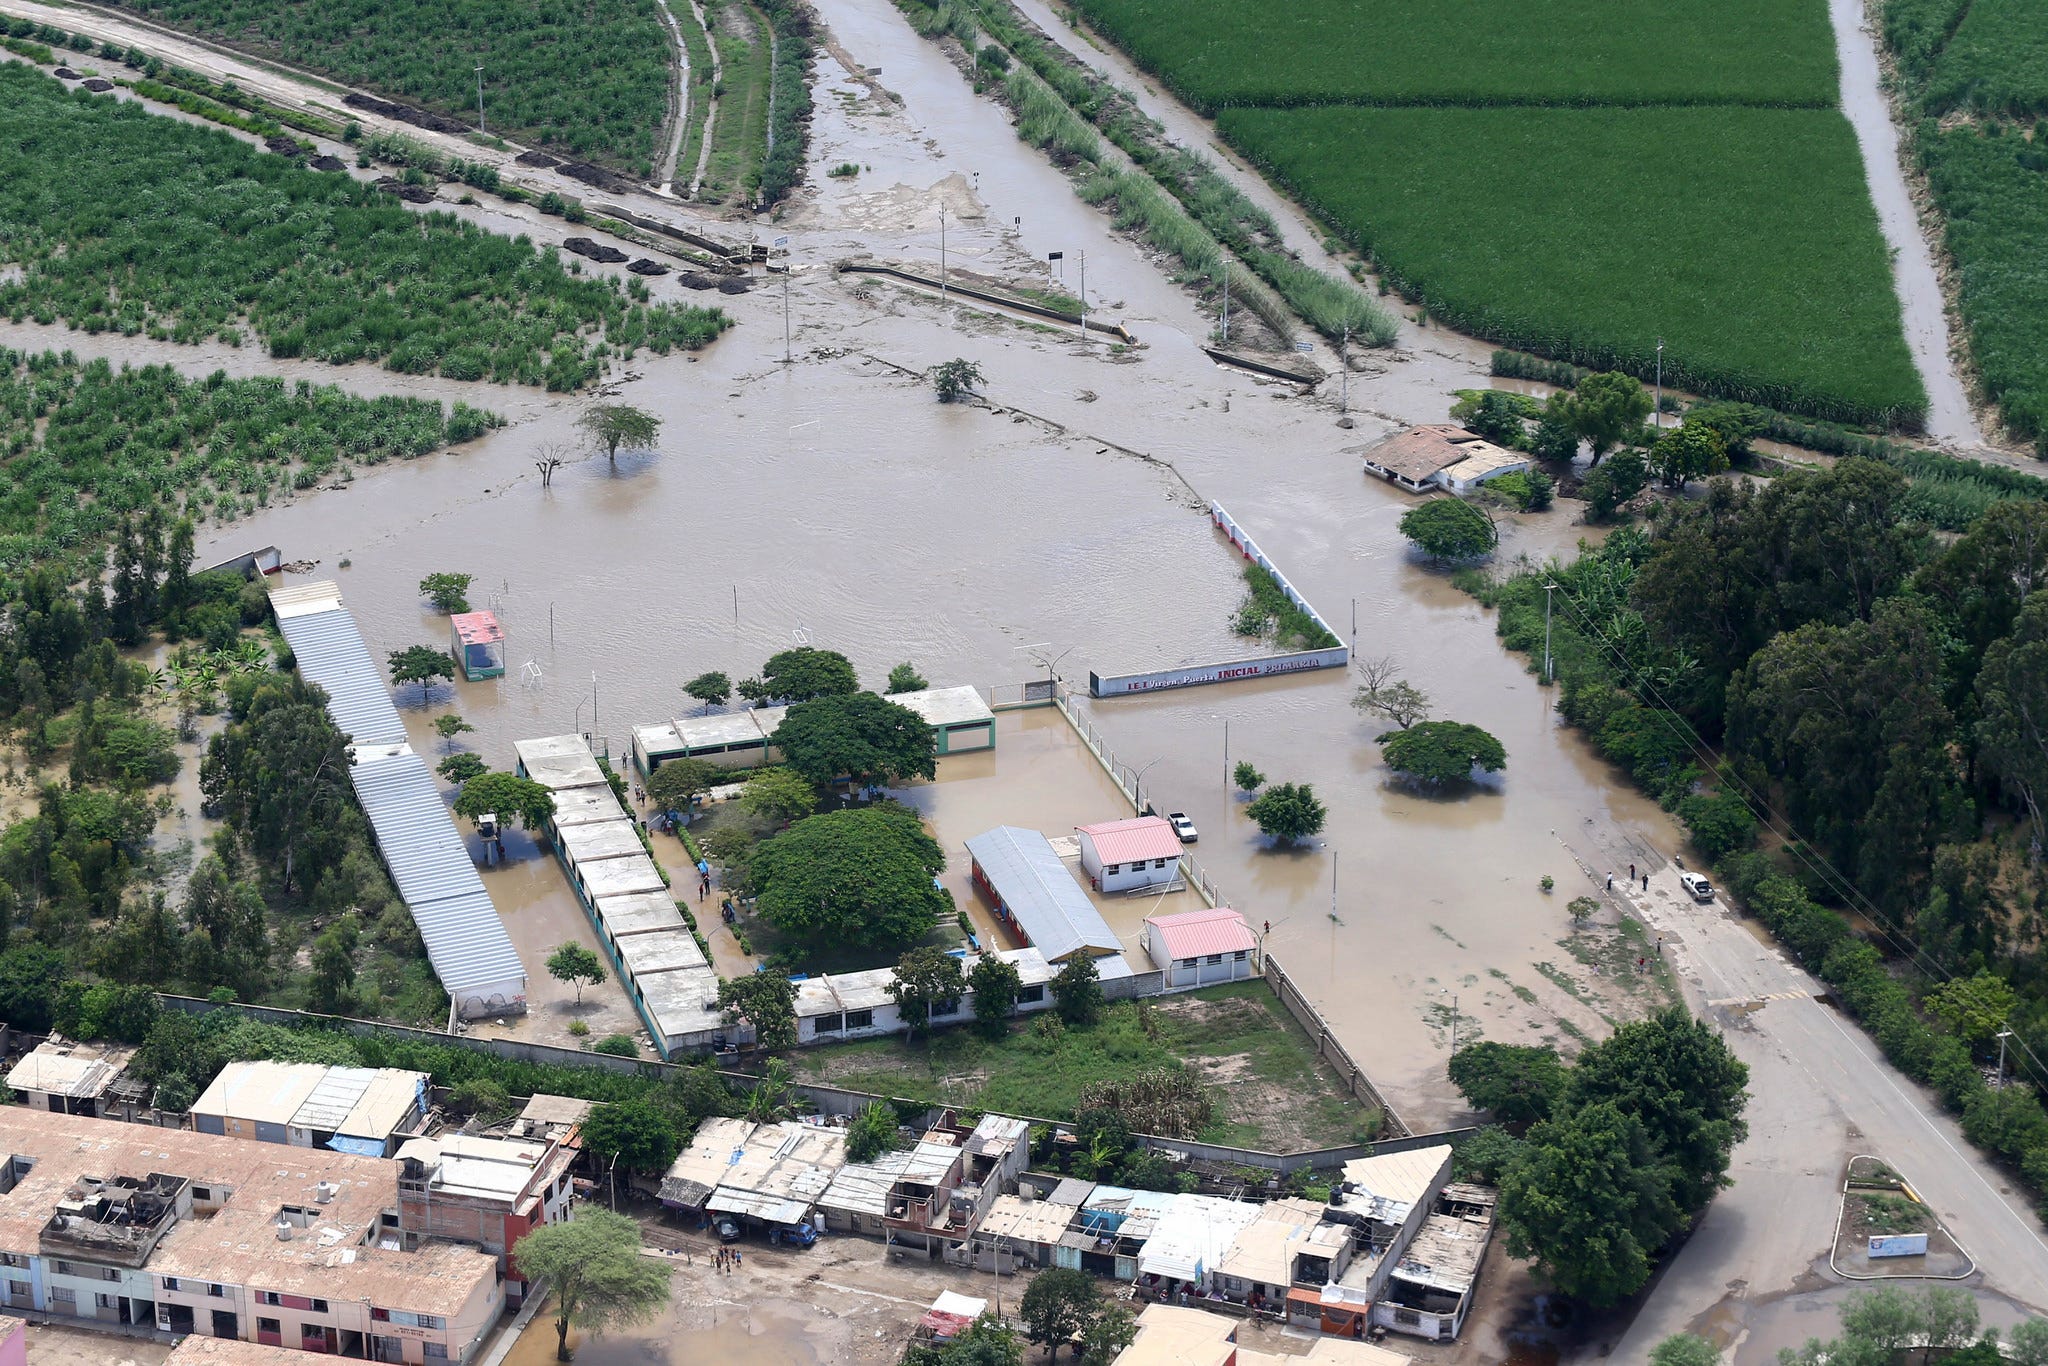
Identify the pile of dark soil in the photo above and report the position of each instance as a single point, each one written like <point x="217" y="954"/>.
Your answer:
<point x="597" y="177"/>
<point x="99" y="85"/>
<point x="284" y="146"/>
<point x="645" y="266"/>
<point x="328" y="164"/>
<point x="595" y="251"/>
<point x="735" y="284"/>
<point x="65" y="73"/>
<point x="540" y="159"/>
<point x="411" y="194"/>
<point x="418" y="118"/>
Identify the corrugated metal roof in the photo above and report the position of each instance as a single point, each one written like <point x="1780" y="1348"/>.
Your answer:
<point x="1196" y="934"/>
<point x="332" y="1097"/>
<point x="391" y="1096"/>
<point x="465" y="938"/>
<point x="329" y="651"/>
<point x="747" y="727"/>
<point x="1049" y="907"/>
<point x="1133" y="839"/>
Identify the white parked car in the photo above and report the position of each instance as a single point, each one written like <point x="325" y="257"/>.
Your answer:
<point x="1696" y="886"/>
<point x="1182" y="826"/>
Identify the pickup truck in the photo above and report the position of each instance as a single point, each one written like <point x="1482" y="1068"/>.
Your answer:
<point x="1183" y="827"/>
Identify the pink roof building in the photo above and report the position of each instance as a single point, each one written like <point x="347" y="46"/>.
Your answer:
<point x="479" y="644"/>
<point x="1142" y="851"/>
<point x="1195" y="948"/>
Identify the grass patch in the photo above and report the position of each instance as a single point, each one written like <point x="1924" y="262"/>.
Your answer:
<point x="1268" y="613"/>
<point x="739" y="135"/>
<point x="1220" y="53"/>
<point x="555" y="72"/>
<point x="127" y="221"/>
<point x="698" y="44"/>
<point x="1997" y="62"/>
<point x="1270" y="1090"/>
<point x="1629" y="241"/>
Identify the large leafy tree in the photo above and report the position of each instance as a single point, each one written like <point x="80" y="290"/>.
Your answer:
<point x="1077" y="990"/>
<point x="509" y="796"/>
<point x="420" y="664"/>
<point x="279" y="774"/>
<point x="928" y="982"/>
<point x="1691" y="451"/>
<point x="996" y="984"/>
<point x="1607" y="409"/>
<point x="1851" y="721"/>
<point x="806" y="672"/>
<point x="1288" y="812"/>
<point x="1060" y="1304"/>
<point x="679" y="781"/>
<point x="1677" y="1075"/>
<point x="1590" y="1202"/>
<point x="1517" y="1084"/>
<point x="609" y="426"/>
<point x="863" y="876"/>
<point x="1437" y="752"/>
<point x="857" y="735"/>
<point x="778" y="794"/>
<point x="764" y="1000"/>
<point x="576" y="965"/>
<point x="1683" y="1349"/>
<point x="712" y="689"/>
<point x="2012" y="699"/>
<point x="1449" y="529"/>
<point x="640" y="1135"/>
<point x="592" y="1267"/>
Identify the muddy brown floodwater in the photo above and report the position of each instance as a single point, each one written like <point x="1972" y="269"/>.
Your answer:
<point x="832" y="500"/>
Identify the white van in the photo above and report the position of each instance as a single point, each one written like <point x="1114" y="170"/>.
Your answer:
<point x="1696" y="886"/>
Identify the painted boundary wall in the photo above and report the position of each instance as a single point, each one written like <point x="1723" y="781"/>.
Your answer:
<point x="1229" y="671"/>
<point x="1327" y="1047"/>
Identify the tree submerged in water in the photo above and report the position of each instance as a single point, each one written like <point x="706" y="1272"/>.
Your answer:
<point x="955" y="379"/>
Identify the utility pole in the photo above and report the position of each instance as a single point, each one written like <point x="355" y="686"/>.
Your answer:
<point x="1226" y="301"/>
<point x="2003" y="1035"/>
<point x="942" y="256"/>
<point x="1084" y="296"/>
<point x="1548" y="675"/>
<point x="1657" y="417"/>
<point x="1226" y="754"/>
<point x="479" y="97"/>
<point x="1344" y="406"/>
<point x="783" y="243"/>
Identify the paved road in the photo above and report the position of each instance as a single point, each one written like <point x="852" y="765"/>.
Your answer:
<point x="1820" y="1093"/>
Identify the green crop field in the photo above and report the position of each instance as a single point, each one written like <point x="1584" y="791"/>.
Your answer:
<point x="1223" y="52"/>
<point x="126" y="221"/>
<point x="83" y="448"/>
<point x="1997" y="62"/>
<point x="583" y="79"/>
<point x="1576" y="178"/>
<point x="1586" y="234"/>
<point x="1987" y="60"/>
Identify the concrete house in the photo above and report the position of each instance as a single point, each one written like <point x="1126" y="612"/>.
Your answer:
<point x="1130" y="855"/>
<point x="1196" y="948"/>
<point x="306" y="1105"/>
<point x="69" y="1077"/>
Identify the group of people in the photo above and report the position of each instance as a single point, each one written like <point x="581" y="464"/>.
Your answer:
<point x="727" y="1260"/>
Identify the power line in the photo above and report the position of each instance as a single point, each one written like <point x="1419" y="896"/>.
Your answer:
<point x="1832" y="877"/>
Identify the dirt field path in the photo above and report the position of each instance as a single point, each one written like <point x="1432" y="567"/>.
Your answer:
<point x="678" y="103"/>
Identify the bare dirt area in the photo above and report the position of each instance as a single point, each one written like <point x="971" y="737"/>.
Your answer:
<point x="52" y="1344"/>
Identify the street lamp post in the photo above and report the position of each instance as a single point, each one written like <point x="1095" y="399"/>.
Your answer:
<point x="1138" y="786"/>
<point x="1657" y="418"/>
<point x="480" y="97"/>
<point x="942" y="256"/>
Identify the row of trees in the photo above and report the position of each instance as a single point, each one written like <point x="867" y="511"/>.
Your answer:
<point x="1880" y="1326"/>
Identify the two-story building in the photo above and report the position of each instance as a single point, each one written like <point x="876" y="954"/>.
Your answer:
<point x="488" y="1191"/>
<point x="204" y="1234"/>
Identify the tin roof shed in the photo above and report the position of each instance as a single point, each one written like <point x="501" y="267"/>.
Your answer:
<point x="1039" y="895"/>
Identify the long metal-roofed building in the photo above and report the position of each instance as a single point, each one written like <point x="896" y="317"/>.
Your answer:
<point x="1034" y="894"/>
<point x="960" y="722"/>
<point x="465" y="937"/>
